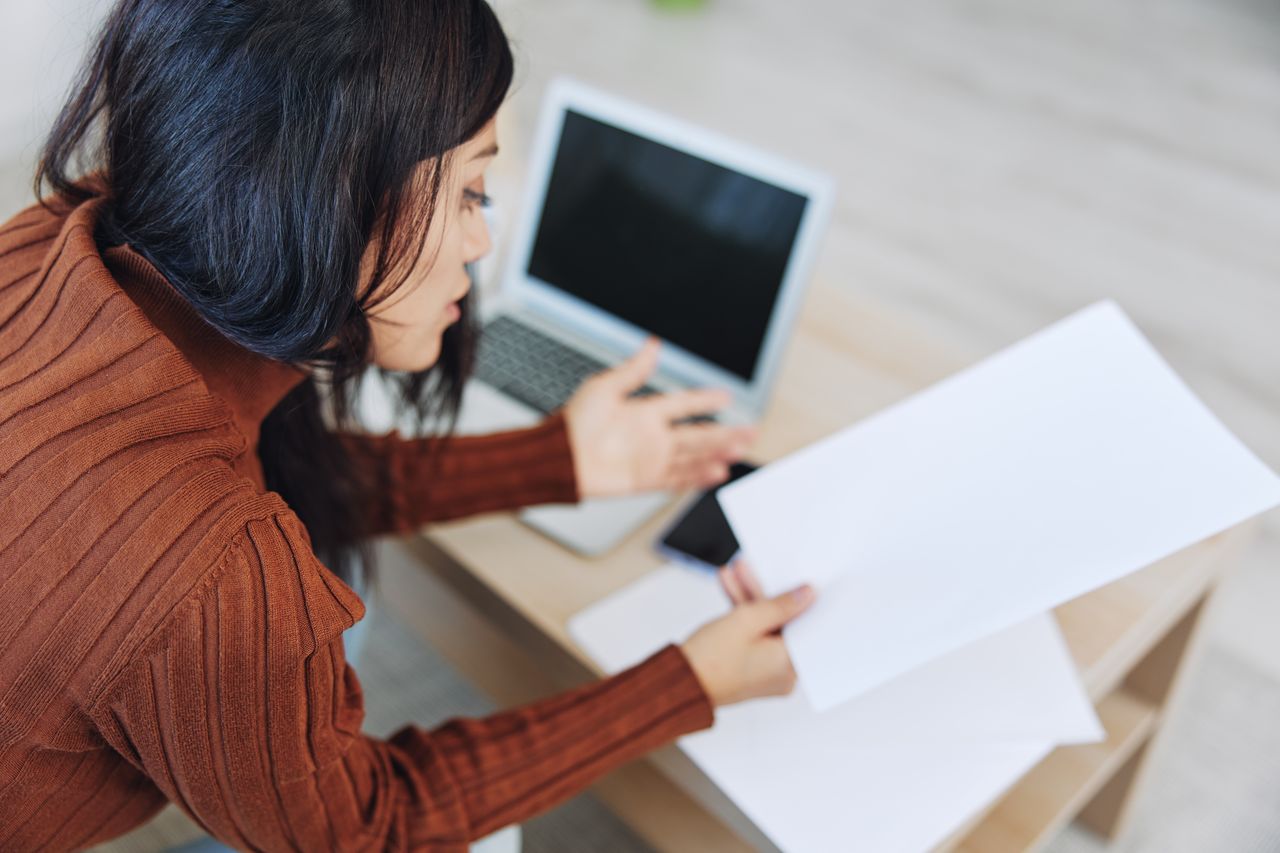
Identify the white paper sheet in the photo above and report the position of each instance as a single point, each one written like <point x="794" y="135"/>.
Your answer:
<point x="896" y="770"/>
<point x="1054" y="467"/>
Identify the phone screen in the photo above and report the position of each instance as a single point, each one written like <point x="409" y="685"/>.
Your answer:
<point x="702" y="535"/>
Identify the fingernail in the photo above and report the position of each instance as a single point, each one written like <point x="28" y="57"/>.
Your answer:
<point x="803" y="594"/>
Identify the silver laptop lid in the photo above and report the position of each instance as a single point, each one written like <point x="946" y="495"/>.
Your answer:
<point x="638" y="224"/>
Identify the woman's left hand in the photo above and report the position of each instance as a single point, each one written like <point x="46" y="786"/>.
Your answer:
<point x="623" y="444"/>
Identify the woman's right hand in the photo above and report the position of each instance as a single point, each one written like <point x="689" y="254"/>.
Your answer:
<point x="741" y="655"/>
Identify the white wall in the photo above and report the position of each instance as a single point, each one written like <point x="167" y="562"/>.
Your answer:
<point x="41" y="45"/>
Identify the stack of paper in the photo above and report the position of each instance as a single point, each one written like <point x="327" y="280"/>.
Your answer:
<point x="897" y="770"/>
<point x="939" y="533"/>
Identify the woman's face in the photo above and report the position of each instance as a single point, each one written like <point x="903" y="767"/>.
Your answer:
<point x="408" y="326"/>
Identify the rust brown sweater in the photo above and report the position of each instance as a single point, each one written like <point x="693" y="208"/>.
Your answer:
<point x="166" y="632"/>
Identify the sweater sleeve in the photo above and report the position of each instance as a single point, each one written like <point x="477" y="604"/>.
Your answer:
<point x="243" y="710"/>
<point x="422" y="480"/>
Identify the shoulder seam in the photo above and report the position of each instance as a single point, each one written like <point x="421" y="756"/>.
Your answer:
<point x="149" y="645"/>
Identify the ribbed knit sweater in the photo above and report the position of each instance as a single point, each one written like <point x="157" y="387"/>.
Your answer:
<point x="166" y="631"/>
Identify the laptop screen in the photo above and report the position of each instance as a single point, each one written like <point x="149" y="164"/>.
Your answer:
<point x="684" y="248"/>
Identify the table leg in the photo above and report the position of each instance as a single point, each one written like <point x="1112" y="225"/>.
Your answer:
<point x="1155" y="678"/>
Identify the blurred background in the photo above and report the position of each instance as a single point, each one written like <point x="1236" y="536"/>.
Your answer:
<point x="999" y="164"/>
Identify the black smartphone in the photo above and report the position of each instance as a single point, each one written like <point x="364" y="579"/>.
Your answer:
<point x="702" y="536"/>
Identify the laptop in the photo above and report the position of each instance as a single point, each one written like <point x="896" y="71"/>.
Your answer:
<point x="637" y="224"/>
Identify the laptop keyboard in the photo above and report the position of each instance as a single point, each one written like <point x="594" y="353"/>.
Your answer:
<point x="533" y="367"/>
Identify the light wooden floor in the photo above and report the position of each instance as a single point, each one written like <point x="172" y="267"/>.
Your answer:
<point x="999" y="164"/>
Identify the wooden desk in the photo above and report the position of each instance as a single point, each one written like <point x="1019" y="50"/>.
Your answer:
<point x="849" y="358"/>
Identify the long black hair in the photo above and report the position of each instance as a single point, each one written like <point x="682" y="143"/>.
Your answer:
<point x="252" y="150"/>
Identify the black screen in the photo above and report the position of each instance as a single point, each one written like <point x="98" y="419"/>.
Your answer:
<point x="683" y="248"/>
<point x="703" y="532"/>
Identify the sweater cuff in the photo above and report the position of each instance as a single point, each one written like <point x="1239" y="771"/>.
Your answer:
<point x="500" y="471"/>
<point x="556" y="479"/>
<point x="686" y="690"/>
<point x="519" y="763"/>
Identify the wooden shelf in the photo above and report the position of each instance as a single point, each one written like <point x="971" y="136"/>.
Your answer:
<point x="1111" y="629"/>
<point x="1058" y="788"/>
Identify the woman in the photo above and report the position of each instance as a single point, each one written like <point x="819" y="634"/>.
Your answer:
<point x="272" y="196"/>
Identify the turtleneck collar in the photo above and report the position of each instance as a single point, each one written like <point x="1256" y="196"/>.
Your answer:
<point x="249" y="383"/>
